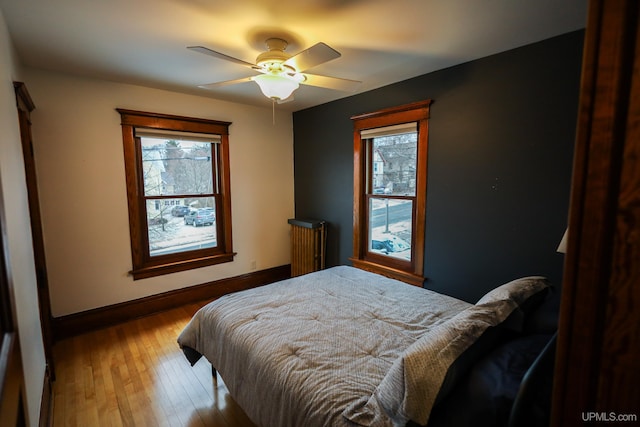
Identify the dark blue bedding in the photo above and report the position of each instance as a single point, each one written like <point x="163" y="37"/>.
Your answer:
<point x="486" y="396"/>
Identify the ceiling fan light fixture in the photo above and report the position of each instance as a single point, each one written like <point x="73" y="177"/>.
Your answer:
<point x="276" y="86"/>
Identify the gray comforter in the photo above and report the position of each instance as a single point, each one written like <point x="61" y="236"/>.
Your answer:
<point x="339" y="347"/>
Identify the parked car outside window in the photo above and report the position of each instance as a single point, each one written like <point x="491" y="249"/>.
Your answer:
<point x="180" y="210"/>
<point x="389" y="244"/>
<point x="202" y="216"/>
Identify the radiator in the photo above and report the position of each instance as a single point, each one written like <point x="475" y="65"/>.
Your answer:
<point x="308" y="240"/>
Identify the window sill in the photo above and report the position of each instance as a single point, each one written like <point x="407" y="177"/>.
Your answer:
<point x="393" y="273"/>
<point x="174" y="267"/>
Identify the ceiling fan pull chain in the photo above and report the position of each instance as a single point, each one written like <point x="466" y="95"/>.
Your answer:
<point x="273" y="110"/>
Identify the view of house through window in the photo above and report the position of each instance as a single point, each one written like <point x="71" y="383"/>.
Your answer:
<point x="176" y="174"/>
<point x="392" y="169"/>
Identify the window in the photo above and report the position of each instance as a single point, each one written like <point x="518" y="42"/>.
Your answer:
<point x="390" y="186"/>
<point x="177" y="171"/>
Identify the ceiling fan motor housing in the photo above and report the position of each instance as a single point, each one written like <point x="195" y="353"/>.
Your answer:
<point x="275" y="56"/>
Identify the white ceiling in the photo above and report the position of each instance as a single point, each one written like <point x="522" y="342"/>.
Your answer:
<point x="381" y="41"/>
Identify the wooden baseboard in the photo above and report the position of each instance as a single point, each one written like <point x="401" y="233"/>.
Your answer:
<point x="86" y="321"/>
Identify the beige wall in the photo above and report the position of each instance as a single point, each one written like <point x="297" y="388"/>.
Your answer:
<point x="79" y="157"/>
<point x="21" y="261"/>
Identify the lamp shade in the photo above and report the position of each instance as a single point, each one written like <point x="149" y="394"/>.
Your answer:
<point x="562" y="247"/>
<point x="276" y="86"/>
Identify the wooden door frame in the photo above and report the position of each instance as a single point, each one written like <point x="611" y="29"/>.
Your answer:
<point x="599" y="331"/>
<point x="25" y="107"/>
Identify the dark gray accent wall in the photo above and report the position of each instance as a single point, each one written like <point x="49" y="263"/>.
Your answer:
<point x="501" y="139"/>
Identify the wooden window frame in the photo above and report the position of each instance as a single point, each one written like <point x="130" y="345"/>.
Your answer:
<point x="413" y="270"/>
<point x="144" y="265"/>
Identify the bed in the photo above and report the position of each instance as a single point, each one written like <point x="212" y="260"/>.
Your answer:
<point x="346" y="347"/>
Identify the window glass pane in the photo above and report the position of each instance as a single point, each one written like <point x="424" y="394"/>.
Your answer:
<point x="176" y="166"/>
<point x="179" y="225"/>
<point x="390" y="227"/>
<point x="393" y="166"/>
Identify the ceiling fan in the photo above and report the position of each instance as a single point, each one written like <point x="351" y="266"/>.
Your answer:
<point x="281" y="73"/>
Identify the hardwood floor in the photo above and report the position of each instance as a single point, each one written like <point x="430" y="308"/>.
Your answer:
<point x="134" y="374"/>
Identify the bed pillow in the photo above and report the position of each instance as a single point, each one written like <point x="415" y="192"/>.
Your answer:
<point x="522" y="295"/>
<point x="520" y="291"/>
<point x="414" y="381"/>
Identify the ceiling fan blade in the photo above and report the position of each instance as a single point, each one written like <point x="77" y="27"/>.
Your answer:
<point x="225" y="83"/>
<point x="345" y="85"/>
<point x="207" y="51"/>
<point x="315" y="55"/>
